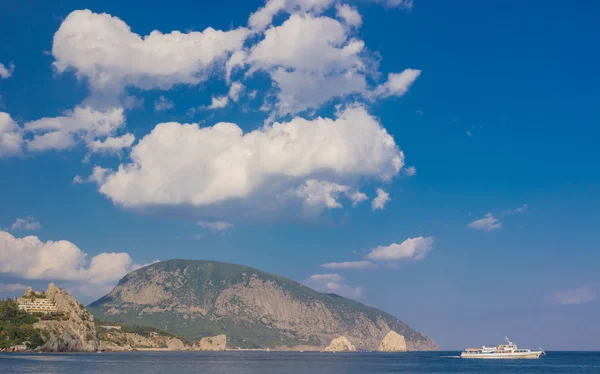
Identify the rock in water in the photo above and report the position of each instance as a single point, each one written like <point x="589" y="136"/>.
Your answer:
<point x="340" y="344"/>
<point x="195" y="299"/>
<point x="393" y="342"/>
<point x="74" y="332"/>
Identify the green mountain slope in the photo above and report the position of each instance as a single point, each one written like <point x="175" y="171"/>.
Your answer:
<point x="253" y="308"/>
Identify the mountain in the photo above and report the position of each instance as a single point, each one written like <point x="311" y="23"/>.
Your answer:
<point x="255" y="309"/>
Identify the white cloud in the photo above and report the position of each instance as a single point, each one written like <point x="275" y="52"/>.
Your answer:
<point x="218" y="102"/>
<point x="29" y="258"/>
<point x="6" y="72"/>
<point x="406" y="4"/>
<point x="333" y="283"/>
<point x="103" y="49"/>
<point x="487" y="223"/>
<point x="263" y="17"/>
<point x="318" y="195"/>
<point x="98" y="175"/>
<point x="184" y="164"/>
<point x="326" y="277"/>
<point x="162" y="103"/>
<point x="84" y="123"/>
<point x="111" y="145"/>
<point x="397" y="83"/>
<point x="358" y="197"/>
<point x="412" y="248"/>
<point x="520" y="209"/>
<point x="349" y="14"/>
<point x="581" y="295"/>
<point x="380" y="200"/>
<point x="301" y="90"/>
<point x="349" y="265"/>
<point x="216" y="225"/>
<point x="325" y="61"/>
<point x="27" y="223"/>
<point x="11" y="136"/>
<point x="410" y="171"/>
<point x="322" y="63"/>
<point x="78" y="179"/>
<point x="12" y="287"/>
<point x="237" y="59"/>
<point x="235" y="90"/>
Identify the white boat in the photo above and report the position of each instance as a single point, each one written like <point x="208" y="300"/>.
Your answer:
<point x="502" y="351"/>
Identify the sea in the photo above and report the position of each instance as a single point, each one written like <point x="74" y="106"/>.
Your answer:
<point x="255" y="362"/>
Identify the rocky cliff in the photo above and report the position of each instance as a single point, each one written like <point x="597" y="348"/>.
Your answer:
<point x="253" y="308"/>
<point x="340" y="344"/>
<point x="393" y="342"/>
<point x="73" y="330"/>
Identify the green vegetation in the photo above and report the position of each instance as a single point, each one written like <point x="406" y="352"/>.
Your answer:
<point x="16" y="326"/>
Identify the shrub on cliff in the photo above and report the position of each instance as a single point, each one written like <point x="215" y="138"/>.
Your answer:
<point x="16" y="326"/>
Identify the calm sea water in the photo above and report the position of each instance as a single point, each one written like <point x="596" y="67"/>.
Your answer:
<point x="294" y="363"/>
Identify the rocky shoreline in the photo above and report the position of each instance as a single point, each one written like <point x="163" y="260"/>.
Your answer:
<point x="74" y="329"/>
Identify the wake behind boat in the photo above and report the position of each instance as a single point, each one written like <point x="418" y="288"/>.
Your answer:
<point x="502" y="351"/>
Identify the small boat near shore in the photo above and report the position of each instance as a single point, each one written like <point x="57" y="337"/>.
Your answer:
<point x="502" y="351"/>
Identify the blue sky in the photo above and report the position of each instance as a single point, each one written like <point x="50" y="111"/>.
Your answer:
<point x="494" y="232"/>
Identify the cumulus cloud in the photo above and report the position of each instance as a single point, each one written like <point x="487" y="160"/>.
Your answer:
<point x="318" y="195"/>
<point x="11" y="136"/>
<point x="215" y="225"/>
<point x="412" y="248"/>
<point x="98" y="176"/>
<point x="397" y="83"/>
<point x="83" y="123"/>
<point x="218" y="102"/>
<point x="326" y="60"/>
<point x="235" y="90"/>
<point x="349" y="14"/>
<point x="6" y="72"/>
<point x="380" y="200"/>
<point x="406" y="4"/>
<point x="30" y="258"/>
<point x="580" y="295"/>
<point x="263" y="168"/>
<point x="349" y="265"/>
<point x="27" y="223"/>
<point x="263" y="17"/>
<point x="162" y="103"/>
<point x="333" y="283"/>
<point x="322" y="63"/>
<point x="487" y="223"/>
<point x="410" y="171"/>
<point x="100" y="47"/>
<point x="111" y="145"/>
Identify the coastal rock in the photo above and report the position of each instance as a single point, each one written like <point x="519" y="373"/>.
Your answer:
<point x="340" y="344"/>
<point x="393" y="342"/>
<point x="74" y="331"/>
<point x="109" y="346"/>
<point x="117" y="341"/>
<point x="212" y="343"/>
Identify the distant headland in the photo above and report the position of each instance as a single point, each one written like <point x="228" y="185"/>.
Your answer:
<point x="203" y="305"/>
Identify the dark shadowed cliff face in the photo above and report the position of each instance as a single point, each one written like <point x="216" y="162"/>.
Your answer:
<point x="253" y="308"/>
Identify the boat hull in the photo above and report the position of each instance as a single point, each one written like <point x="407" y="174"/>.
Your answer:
<point x="503" y="356"/>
